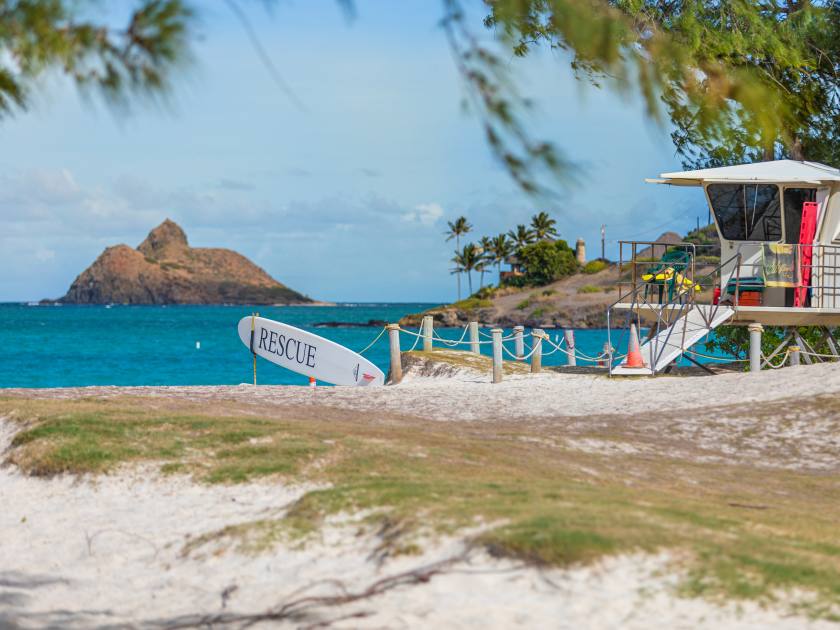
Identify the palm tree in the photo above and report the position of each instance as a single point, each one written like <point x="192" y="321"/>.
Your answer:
<point x="456" y="271"/>
<point x="501" y="248"/>
<point x="522" y="236"/>
<point x="457" y="228"/>
<point x="543" y="226"/>
<point x="485" y="247"/>
<point x="466" y="260"/>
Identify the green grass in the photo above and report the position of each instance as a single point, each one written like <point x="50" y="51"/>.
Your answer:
<point x="589" y="288"/>
<point x="473" y="303"/>
<point x="538" y="500"/>
<point x="524" y="304"/>
<point x="93" y="441"/>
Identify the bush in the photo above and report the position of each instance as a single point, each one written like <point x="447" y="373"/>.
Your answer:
<point x="594" y="266"/>
<point x="472" y="303"/>
<point x="735" y="340"/>
<point x="485" y="293"/>
<point x="516" y="282"/>
<point x="524" y="304"/>
<point x="548" y="292"/>
<point x="547" y="261"/>
<point x="588" y="288"/>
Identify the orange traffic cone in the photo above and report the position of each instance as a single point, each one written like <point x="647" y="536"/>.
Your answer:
<point x="312" y="382"/>
<point x="634" y="353"/>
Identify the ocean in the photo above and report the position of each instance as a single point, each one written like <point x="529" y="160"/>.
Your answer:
<point x="69" y="346"/>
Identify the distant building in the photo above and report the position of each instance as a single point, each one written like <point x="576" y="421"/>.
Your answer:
<point x="580" y="252"/>
<point x="516" y="269"/>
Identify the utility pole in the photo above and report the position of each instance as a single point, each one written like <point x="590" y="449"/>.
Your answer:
<point x="603" y="241"/>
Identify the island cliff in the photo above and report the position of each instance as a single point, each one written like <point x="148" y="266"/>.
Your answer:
<point x="164" y="269"/>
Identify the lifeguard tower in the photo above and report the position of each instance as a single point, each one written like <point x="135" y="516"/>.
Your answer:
<point x="779" y="229"/>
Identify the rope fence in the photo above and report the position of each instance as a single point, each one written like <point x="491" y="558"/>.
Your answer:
<point x="541" y="345"/>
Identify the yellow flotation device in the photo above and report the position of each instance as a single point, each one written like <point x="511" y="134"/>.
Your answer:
<point x="682" y="283"/>
<point x="665" y="274"/>
<point x="686" y="284"/>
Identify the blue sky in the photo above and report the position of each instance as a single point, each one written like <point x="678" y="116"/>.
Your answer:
<point x="344" y="198"/>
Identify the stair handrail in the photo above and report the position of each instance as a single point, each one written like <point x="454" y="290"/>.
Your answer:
<point x="685" y="300"/>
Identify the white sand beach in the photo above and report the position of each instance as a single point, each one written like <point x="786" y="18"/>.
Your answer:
<point x="115" y="549"/>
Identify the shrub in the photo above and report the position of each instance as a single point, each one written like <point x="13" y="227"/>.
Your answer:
<point x="547" y="261"/>
<point x="735" y="340"/>
<point x="588" y="288"/>
<point x="485" y="293"/>
<point x="539" y="312"/>
<point x="548" y="292"/>
<point x="516" y="282"/>
<point x="594" y="266"/>
<point x="524" y="304"/>
<point x="472" y="303"/>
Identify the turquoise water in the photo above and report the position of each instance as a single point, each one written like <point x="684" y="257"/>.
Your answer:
<point x="64" y="346"/>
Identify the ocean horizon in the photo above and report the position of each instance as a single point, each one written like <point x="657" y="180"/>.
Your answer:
<point x="85" y="345"/>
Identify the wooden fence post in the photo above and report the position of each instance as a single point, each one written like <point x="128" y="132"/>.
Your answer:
<point x="569" y="336"/>
<point x="428" y="327"/>
<point x="396" y="357"/>
<point x="536" y="358"/>
<point x="475" y="348"/>
<point x="755" y="347"/>
<point x="519" y="342"/>
<point x="497" y="355"/>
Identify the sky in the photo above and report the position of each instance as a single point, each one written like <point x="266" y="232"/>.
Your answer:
<point x="342" y="192"/>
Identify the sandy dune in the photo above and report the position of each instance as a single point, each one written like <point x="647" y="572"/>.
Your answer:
<point x="112" y="550"/>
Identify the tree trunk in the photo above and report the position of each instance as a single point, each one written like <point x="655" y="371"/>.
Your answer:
<point x="796" y="152"/>
<point x="458" y="248"/>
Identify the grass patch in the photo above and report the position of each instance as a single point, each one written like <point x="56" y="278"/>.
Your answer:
<point x="473" y="303"/>
<point x="539" y="500"/>
<point x="589" y="288"/>
<point x="524" y="304"/>
<point x="91" y="440"/>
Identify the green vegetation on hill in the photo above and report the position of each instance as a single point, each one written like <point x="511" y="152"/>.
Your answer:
<point x="707" y="242"/>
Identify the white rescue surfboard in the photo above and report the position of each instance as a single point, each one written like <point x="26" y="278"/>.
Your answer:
<point x="308" y="354"/>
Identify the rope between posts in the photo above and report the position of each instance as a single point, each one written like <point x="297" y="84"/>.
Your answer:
<point x="816" y="354"/>
<point x="490" y="336"/>
<point x="450" y="342"/>
<point x="371" y="344"/>
<point x="720" y="359"/>
<point x="522" y="358"/>
<point x="417" y="336"/>
<point x="581" y="355"/>
<point x="780" y="365"/>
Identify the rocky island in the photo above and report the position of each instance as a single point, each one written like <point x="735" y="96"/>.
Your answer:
<point x="164" y="269"/>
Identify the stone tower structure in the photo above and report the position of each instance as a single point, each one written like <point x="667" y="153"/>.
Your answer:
<point x="580" y="252"/>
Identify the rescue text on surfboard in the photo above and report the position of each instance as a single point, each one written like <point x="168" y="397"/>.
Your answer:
<point x="289" y="347"/>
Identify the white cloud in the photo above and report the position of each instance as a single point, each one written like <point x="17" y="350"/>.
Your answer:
<point x="42" y="254"/>
<point x="424" y="214"/>
<point x="52" y="186"/>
